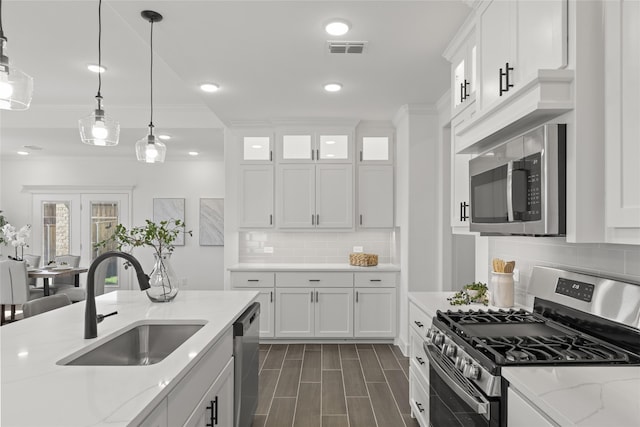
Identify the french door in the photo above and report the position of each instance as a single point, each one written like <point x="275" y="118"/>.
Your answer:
<point x="72" y="223"/>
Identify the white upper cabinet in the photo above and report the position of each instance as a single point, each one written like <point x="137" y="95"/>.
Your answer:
<point x="257" y="148"/>
<point x="326" y="145"/>
<point x="463" y="74"/>
<point x="315" y="196"/>
<point x="375" y="143"/>
<point x="622" y="121"/>
<point x="517" y="39"/>
<point x="256" y="196"/>
<point x="375" y="196"/>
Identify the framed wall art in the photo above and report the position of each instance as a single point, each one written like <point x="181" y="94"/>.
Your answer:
<point x="211" y="222"/>
<point x="169" y="209"/>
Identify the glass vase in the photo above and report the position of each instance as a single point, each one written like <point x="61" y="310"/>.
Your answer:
<point x="163" y="281"/>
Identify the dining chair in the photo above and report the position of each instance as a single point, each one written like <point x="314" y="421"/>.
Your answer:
<point x="66" y="284"/>
<point x="14" y="287"/>
<point x="32" y="261"/>
<point x="44" y="304"/>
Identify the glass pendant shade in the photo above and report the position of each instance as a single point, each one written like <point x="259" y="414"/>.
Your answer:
<point x="150" y="150"/>
<point x="16" y="87"/>
<point x="99" y="129"/>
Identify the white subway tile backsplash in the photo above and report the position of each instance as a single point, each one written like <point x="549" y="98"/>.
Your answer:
<point x="318" y="247"/>
<point x="621" y="261"/>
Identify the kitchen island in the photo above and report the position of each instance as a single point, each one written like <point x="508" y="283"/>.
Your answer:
<point x="38" y="391"/>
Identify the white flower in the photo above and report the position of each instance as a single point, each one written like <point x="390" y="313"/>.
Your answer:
<point x="18" y="238"/>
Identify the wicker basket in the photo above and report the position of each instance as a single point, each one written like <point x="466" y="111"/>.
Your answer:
<point x="363" y="260"/>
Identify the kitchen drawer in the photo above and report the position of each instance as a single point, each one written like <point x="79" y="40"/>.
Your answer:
<point x="252" y="280"/>
<point x="184" y="398"/>
<point x="419" y="400"/>
<point x="313" y="280"/>
<point x="419" y="320"/>
<point x="418" y="357"/>
<point x="373" y="280"/>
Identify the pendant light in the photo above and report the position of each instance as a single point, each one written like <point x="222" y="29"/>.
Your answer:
<point x="149" y="149"/>
<point x="16" y="87"/>
<point x="98" y="128"/>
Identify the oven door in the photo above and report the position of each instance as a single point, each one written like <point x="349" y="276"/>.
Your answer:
<point x="456" y="401"/>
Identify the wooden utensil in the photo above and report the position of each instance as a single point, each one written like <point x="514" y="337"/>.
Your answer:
<point x="509" y="266"/>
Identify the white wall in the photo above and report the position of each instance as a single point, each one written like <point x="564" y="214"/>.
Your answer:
<point x="418" y="205"/>
<point x="201" y="266"/>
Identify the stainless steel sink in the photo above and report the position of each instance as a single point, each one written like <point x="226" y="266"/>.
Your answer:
<point x="144" y="344"/>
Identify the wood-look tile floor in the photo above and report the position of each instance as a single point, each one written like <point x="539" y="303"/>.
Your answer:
<point x="333" y="385"/>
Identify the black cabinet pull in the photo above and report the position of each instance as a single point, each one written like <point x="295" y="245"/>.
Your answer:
<point x="356" y="296"/>
<point x="360" y="219"/>
<point x="213" y="418"/>
<point x="313" y="219"/>
<point x="463" y="211"/>
<point x="316" y="296"/>
<point x="419" y="324"/>
<point x="314" y="280"/>
<point x="311" y="296"/>
<point x="313" y="154"/>
<point x="461" y="92"/>
<point x="505" y="74"/>
<point x="360" y="155"/>
<point x="419" y="405"/>
<point x="253" y="280"/>
<point x="466" y="85"/>
<point x="271" y="295"/>
<point x="420" y="361"/>
<point x="271" y="155"/>
<point x="271" y="219"/>
<point x="375" y="280"/>
<point x="317" y="219"/>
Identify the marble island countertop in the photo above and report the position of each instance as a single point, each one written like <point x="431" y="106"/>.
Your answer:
<point x="312" y="267"/>
<point x="585" y="396"/>
<point x="36" y="391"/>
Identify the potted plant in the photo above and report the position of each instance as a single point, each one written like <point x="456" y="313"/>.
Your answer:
<point x="159" y="236"/>
<point x="17" y="238"/>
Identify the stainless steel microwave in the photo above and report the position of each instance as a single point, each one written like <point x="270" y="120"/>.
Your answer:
<point x="519" y="187"/>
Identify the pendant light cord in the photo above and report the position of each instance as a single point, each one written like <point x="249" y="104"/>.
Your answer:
<point x="99" y="49"/>
<point x="151" y="80"/>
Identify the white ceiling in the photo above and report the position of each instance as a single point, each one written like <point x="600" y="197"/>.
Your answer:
<point x="269" y="57"/>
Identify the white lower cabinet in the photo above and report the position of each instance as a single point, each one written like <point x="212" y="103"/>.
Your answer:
<point x="419" y="324"/>
<point x="314" y="312"/>
<point x="267" y="306"/>
<point x="521" y="414"/>
<point x="375" y="312"/>
<point x="263" y="283"/>
<point x="216" y="407"/>
<point x="419" y="399"/>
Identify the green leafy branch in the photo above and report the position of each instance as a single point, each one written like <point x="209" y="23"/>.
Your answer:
<point x="160" y="236"/>
<point x="476" y="292"/>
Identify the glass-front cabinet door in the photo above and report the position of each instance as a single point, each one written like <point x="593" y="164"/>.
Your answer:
<point x="257" y="149"/>
<point x="375" y="146"/>
<point x="331" y="145"/>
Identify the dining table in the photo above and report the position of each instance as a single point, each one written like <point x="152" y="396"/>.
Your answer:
<point x="47" y="273"/>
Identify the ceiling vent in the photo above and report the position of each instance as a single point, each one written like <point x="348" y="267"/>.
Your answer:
<point x="346" y="47"/>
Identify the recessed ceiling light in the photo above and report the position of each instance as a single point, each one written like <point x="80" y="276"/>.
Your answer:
<point x="96" y="68"/>
<point x="193" y="153"/>
<point x="164" y="137"/>
<point x="209" y="87"/>
<point x="337" y="28"/>
<point x="23" y="153"/>
<point x="333" y="87"/>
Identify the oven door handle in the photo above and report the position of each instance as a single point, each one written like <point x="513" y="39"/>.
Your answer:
<point x="478" y="405"/>
<point x="510" y="214"/>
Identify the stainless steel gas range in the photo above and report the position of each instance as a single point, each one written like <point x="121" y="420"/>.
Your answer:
<point x="577" y="319"/>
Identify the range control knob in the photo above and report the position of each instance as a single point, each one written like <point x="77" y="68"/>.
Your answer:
<point x="471" y="371"/>
<point x="450" y="350"/>
<point x="437" y="338"/>
<point x="429" y="334"/>
<point x="460" y="363"/>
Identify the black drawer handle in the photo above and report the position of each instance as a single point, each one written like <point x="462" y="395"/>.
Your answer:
<point x="314" y="280"/>
<point x="418" y="324"/>
<point x="375" y="280"/>
<point x="253" y="280"/>
<point x="420" y="360"/>
<point x="419" y="405"/>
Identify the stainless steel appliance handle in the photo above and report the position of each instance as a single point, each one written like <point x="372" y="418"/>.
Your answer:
<point x="478" y="405"/>
<point x="510" y="215"/>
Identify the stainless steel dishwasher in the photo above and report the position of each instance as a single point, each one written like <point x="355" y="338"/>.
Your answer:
<point x="246" y="334"/>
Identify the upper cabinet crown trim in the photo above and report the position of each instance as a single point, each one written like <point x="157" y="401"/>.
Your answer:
<point x="461" y="36"/>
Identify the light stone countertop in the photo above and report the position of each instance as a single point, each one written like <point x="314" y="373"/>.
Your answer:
<point x="589" y="396"/>
<point x="585" y="396"/>
<point x="312" y="267"/>
<point x="38" y="392"/>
